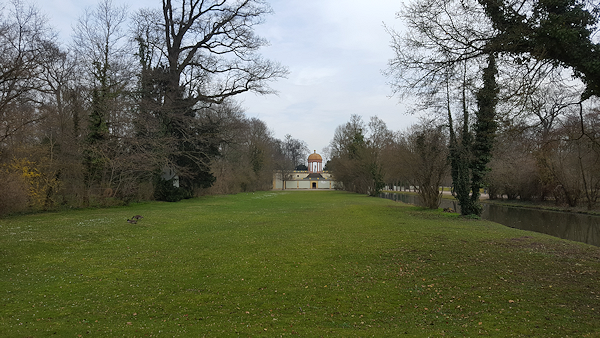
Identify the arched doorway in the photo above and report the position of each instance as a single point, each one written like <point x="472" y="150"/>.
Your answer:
<point x="314" y="185"/>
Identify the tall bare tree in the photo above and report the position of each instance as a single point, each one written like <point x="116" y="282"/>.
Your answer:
<point x="357" y="155"/>
<point x="101" y="42"/>
<point x="201" y="53"/>
<point x="426" y="160"/>
<point x="23" y="34"/>
<point x="288" y="155"/>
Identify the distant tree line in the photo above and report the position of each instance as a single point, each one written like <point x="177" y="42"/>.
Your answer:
<point x="142" y="106"/>
<point x="367" y="157"/>
<point x="137" y="106"/>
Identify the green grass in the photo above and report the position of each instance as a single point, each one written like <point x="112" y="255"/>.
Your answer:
<point x="314" y="264"/>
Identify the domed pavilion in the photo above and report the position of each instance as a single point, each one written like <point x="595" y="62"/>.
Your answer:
<point x="313" y="178"/>
<point x="315" y="163"/>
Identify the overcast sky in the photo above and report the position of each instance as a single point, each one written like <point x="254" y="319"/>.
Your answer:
<point x="335" y="50"/>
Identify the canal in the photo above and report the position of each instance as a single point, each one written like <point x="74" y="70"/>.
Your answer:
<point x="567" y="225"/>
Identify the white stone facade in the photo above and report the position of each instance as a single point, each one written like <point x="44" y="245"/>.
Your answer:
<point x="301" y="180"/>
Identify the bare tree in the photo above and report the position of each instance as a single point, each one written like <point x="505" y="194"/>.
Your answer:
<point x="439" y="59"/>
<point x="210" y="47"/>
<point x="357" y="155"/>
<point x="260" y="146"/>
<point x="23" y="34"/>
<point x="201" y="53"/>
<point x="444" y="39"/>
<point x="296" y="151"/>
<point x="427" y="161"/>
<point x="514" y="170"/>
<point x="58" y="77"/>
<point x="289" y="154"/>
<point x="101" y="42"/>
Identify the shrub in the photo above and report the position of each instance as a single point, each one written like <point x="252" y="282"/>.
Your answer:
<point x="165" y="190"/>
<point x="23" y="176"/>
<point x="14" y="194"/>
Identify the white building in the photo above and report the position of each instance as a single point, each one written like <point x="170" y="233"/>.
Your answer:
<point x="314" y="178"/>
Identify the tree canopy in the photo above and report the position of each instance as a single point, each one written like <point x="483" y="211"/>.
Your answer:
<point x="560" y="31"/>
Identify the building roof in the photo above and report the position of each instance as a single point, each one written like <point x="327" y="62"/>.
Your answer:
<point x="314" y="176"/>
<point x="314" y="157"/>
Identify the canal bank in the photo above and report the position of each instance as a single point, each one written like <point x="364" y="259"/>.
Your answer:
<point x="580" y="227"/>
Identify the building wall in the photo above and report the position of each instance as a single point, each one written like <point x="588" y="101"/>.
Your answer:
<point x="303" y="184"/>
<point x="325" y="184"/>
<point x="298" y="181"/>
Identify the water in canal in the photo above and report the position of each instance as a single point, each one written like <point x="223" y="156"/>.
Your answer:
<point x="572" y="226"/>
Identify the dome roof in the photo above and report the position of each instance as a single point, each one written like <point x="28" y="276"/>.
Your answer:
<point x="314" y="157"/>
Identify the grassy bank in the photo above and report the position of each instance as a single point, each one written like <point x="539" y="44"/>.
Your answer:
<point x="281" y="263"/>
<point x="517" y="203"/>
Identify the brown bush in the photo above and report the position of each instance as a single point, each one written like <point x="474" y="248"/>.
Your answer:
<point x="13" y="194"/>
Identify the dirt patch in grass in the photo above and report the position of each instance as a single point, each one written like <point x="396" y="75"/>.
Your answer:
<point x="563" y="249"/>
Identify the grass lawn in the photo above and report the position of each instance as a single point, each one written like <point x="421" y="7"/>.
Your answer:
<point x="272" y="264"/>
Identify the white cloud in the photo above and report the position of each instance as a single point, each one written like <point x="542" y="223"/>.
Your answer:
<point x="336" y="51"/>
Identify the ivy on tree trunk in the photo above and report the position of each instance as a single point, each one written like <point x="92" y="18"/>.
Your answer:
<point x="470" y="157"/>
